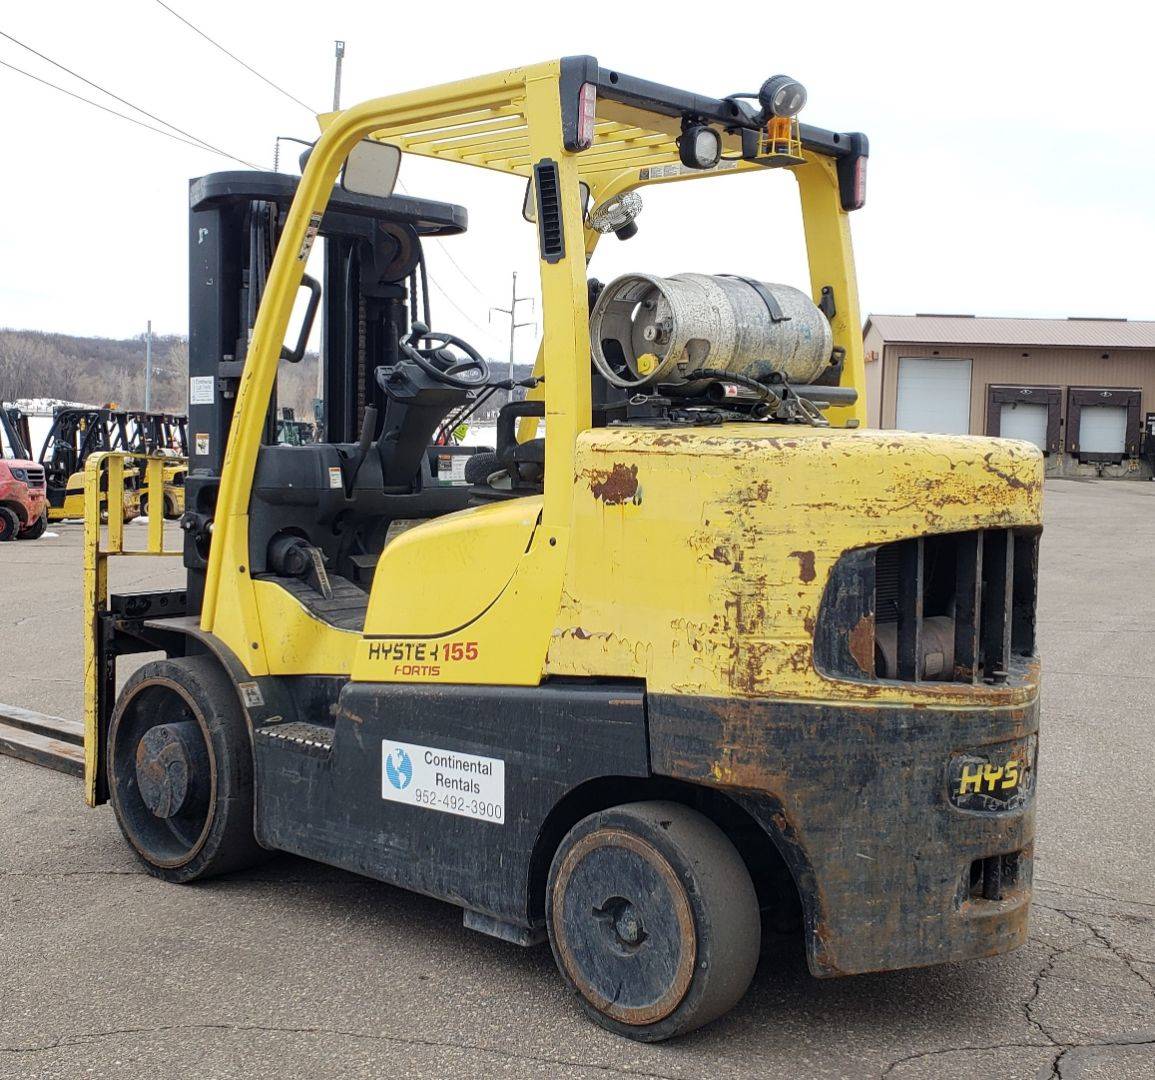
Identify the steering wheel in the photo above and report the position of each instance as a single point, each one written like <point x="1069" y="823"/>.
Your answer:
<point x="440" y="364"/>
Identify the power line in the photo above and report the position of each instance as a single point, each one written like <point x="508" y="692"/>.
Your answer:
<point x="488" y="332"/>
<point x="123" y="116"/>
<point x="458" y="268"/>
<point x="117" y="97"/>
<point x="233" y="56"/>
<point x="449" y="255"/>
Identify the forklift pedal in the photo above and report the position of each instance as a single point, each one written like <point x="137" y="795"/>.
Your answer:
<point x="310" y="737"/>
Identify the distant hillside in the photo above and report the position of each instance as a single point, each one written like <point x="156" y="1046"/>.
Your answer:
<point x="102" y="371"/>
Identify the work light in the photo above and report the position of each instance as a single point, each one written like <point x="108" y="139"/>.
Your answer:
<point x="699" y="147"/>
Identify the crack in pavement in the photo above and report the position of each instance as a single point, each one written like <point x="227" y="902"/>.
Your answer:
<point x="218" y="883"/>
<point x="1056" y="1064"/>
<point x="1064" y="1049"/>
<point x="959" y="1050"/>
<point x="44" y="614"/>
<point x="1100" y="936"/>
<point x="46" y="875"/>
<point x="402" y="1040"/>
<point x="1053" y="885"/>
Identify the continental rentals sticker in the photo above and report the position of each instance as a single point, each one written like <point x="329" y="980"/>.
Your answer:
<point x="454" y="783"/>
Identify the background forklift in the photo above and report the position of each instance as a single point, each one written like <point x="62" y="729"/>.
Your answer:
<point x="704" y="655"/>
<point x="165" y="434"/>
<point x="78" y="432"/>
<point x="294" y="432"/>
<point x="23" y="503"/>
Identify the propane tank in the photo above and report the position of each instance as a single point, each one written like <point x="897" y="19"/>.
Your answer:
<point x="646" y="329"/>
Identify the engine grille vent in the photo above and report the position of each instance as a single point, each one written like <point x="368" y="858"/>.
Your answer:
<point x="958" y="607"/>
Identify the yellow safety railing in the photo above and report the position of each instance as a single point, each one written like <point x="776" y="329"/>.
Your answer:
<point x="105" y="478"/>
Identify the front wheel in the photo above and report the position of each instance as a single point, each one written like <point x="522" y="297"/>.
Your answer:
<point x="9" y="524"/>
<point x="653" y="919"/>
<point x="36" y="530"/>
<point x="180" y="770"/>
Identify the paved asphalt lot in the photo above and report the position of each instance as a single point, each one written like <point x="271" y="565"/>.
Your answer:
<point x="296" y="970"/>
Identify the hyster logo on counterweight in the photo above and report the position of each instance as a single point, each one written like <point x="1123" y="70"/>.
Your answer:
<point x="399" y="769"/>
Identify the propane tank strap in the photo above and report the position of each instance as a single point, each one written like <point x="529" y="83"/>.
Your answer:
<point x="767" y="297"/>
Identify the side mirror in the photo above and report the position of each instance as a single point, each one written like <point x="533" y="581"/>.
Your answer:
<point x="529" y="205"/>
<point x="371" y="169"/>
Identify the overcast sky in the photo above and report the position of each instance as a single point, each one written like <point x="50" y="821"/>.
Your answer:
<point x="1012" y="165"/>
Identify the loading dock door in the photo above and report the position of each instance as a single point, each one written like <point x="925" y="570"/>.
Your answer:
<point x="1102" y="429"/>
<point x="1027" y="422"/>
<point x="934" y="395"/>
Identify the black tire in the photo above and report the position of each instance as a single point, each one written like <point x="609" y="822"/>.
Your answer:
<point x="479" y="467"/>
<point x="653" y="919"/>
<point x="170" y="511"/>
<point x="143" y="506"/>
<point x="180" y="771"/>
<point x="9" y="524"/>
<point x="37" y="529"/>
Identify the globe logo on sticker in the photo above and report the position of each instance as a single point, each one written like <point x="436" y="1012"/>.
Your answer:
<point x="399" y="769"/>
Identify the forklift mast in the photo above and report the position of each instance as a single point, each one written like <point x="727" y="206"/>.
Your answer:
<point x="372" y="263"/>
<point x="16" y="435"/>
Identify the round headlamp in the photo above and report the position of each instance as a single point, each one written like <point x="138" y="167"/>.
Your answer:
<point x="781" y="96"/>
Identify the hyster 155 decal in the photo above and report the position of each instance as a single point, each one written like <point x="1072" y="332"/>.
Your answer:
<point x="427" y="658"/>
<point x="445" y="780"/>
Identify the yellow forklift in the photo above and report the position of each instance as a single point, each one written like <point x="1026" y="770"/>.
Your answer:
<point x="703" y="657"/>
<point x="165" y="434"/>
<point x="77" y="433"/>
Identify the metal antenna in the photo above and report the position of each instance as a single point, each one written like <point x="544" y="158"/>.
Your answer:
<point x="339" y="53"/>
<point x="148" y="368"/>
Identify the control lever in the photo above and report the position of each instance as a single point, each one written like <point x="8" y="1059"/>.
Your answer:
<point x="368" y="426"/>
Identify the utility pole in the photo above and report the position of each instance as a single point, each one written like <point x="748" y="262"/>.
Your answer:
<point x="514" y="325"/>
<point x="148" y="368"/>
<point x="339" y="52"/>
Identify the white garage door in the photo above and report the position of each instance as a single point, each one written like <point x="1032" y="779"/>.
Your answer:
<point x="934" y="395"/>
<point x="1027" y="422"/>
<point x="1102" y="429"/>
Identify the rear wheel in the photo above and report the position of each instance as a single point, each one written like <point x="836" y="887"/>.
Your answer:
<point x="36" y="530"/>
<point x="653" y="919"/>
<point x="9" y="524"/>
<point x="180" y="771"/>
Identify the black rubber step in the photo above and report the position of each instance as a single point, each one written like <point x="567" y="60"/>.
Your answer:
<point x="312" y="738"/>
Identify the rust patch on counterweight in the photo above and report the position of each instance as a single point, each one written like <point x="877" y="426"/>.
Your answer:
<point x="805" y="565"/>
<point x="860" y="642"/>
<point x="615" y="486"/>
